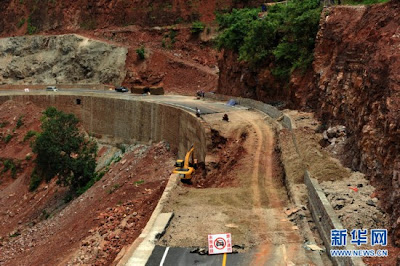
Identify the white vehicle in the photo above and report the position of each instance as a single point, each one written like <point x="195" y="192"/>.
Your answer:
<point x="51" y="88"/>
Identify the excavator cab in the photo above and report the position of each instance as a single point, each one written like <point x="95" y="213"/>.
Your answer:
<point x="185" y="168"/>
<point x="179" y="164"/>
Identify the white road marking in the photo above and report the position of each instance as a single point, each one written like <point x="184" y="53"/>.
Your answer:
<point x="164" y="256"/>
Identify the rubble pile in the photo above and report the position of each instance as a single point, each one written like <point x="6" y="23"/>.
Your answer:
<point x="355" y="202"/>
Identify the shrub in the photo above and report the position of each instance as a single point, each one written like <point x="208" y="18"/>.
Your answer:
<point x="8" y="138"/>
<point x="21" y="22"/>
<point x="141" y="53"/>
<point x="122" y="147"/>
<point x="63" y="151"/>
<point x="30" y="134"/>
<point x="197" y="27"/>
<point x="35" y="181"/>
<point x="20" y="123"/>
<point x="31" y="29"/>
<point x="9" y="164"/>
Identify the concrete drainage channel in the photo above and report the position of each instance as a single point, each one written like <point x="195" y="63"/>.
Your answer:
<point x="319" y="206"/>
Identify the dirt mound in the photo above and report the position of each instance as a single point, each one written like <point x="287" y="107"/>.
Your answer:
<point x="226" y="157"/>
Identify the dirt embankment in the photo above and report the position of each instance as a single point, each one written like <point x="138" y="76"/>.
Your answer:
<point x="91" y="229"/>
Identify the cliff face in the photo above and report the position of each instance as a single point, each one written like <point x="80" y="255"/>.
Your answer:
<point x="239" y="79"/>
<point x="19" y="16"/>
<point x="357" y="83"/>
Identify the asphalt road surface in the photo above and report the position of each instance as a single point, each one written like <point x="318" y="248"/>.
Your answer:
<point x="163" y="256"/>
<point x="188" y="103"/>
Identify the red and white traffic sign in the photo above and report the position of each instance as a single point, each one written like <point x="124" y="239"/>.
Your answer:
<point x="219" y="243"/>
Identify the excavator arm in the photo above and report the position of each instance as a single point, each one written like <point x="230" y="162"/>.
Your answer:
<point x="187" y="157"/>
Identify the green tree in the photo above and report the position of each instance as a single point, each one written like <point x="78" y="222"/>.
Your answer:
<point x="63" y="151"/>
<point x="285" y="36"/>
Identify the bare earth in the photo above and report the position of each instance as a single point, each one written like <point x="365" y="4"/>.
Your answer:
<point x="252" y="208"/>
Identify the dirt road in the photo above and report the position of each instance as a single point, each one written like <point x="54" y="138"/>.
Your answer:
<point x="247" y="199"/>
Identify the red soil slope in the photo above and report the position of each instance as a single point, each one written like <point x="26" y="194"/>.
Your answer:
<point x="92" y="228"/>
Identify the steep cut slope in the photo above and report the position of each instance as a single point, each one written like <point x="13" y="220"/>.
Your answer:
<point x="357" y="83"/>
<point x="19" y="17"/>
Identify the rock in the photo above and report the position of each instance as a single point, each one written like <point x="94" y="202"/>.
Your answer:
<point x="195" y="250"/>
<point x="314" y="247"/>
<point x="231" y="226"/>
<point x="290" y="212"/>
<point x="202" y="251"/>
<point x="371" y="203"/>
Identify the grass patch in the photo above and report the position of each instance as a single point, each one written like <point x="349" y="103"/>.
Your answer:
<point x="137" y="183"/>
<point x="113" y="188"/>
<point x="3" y="124"/>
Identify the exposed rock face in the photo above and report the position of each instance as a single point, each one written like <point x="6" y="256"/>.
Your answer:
<point x="64" y="59"/>
<point x="239" y="79"/>
<point x="92" y="14"/>
<point x="357" y="83"/>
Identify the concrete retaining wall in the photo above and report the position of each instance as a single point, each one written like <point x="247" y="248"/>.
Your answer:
<point x="325" y="218"/>
<point x="59" y="86"/>
<point x="263" y="107"/>
<point x="116" y="120"/>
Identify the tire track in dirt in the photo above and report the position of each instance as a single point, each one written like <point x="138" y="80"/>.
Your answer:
<point x="269" y="199"/>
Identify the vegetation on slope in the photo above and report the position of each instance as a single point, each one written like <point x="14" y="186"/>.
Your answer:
<point x="64" y="152"/>
<point x="285" y="35"/>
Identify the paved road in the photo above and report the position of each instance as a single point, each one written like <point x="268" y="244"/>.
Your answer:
<point x="188" y="103"/>
<point x="182" y="257"/>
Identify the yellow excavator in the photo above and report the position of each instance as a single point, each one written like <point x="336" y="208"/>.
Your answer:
<point x="185" y="168"/>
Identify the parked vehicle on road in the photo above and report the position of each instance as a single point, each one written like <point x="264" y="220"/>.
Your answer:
<point x="121" y="89"/>
<point x="51" y="88"/>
